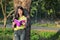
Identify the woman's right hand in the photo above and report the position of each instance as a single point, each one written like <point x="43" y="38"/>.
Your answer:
<point x="13" y="25"/>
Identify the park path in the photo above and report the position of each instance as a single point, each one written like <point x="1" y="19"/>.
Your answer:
<point x="37" y="28"/>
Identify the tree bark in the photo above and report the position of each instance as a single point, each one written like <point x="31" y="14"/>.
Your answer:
<point x="5" y="21"/>
<point x="26" y="5"/>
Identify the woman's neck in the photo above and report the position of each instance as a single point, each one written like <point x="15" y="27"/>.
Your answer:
<point x="21" y="15"/>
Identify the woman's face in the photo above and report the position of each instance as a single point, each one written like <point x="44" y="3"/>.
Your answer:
<point x="20" y="12"/>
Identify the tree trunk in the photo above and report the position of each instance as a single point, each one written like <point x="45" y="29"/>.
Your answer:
<point x="5" y="20"/>
<point x="26" y="5"/>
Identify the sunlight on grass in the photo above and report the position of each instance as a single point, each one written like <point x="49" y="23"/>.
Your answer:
<point x="45" y="25"/>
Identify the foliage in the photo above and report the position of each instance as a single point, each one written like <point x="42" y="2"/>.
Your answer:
<point x="9" y="7"/>
<point x="48" y="9"/>
<point x="44" y="35"/>
<point x="7" y="34"/>
<point x="40" y="9"/>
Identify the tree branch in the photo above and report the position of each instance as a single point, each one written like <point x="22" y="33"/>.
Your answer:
<point x="2" y="8"/>
<point x="10" y="13"/>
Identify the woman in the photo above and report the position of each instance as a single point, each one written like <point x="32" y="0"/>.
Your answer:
<point x="19" y="30"/>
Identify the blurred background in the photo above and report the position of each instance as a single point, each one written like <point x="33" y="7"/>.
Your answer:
<point x="45" y="19"/>
<point x="43" y="12"/>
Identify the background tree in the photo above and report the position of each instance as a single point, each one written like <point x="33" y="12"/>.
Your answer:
<point x="4" y="7"/>
<point x="40" y="9"/>
<point x="26" y="5"/>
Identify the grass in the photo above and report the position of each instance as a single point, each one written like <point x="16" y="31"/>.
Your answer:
<point x="41" y="35"/>
<point x="44" y="25"/>
<point x="7" y="34"/>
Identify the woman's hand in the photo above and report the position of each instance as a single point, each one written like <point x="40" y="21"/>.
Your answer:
<point x="24" y="23"/>
<point x="13" y="25"/>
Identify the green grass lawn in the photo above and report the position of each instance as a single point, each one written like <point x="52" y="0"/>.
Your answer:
<point x="42" y="35"/>
<point x="7" y="34"/>
<point x="44" y="25"/>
